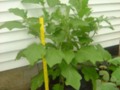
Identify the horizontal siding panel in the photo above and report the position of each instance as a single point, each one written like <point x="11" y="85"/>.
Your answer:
<point x="17" y="4"/>
<point x="105" y="7"/>
<point x="108" y="31"/>
<point x="13" y="64"/>
<point x="5" y="30"/>
<point x="23" y="34"/>
<point x="109" y="43"/>
<point x="98" y="1"/>
<point x="105" y="37"/>
<point x="103" y="1"/>
<point x="14" y="36"/>
<point x="15" y="45"/>
<point x="8" y="56"/>
<point x="107" y="13"/>
<point x="13" y="41"/>
<point x="4" y="16"/>
<point x="113" y="22"/>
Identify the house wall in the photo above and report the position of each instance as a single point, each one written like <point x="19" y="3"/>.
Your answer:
<point x="11" y="42"/>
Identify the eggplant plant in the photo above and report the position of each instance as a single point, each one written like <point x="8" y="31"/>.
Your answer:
<point x="70" y="47"/>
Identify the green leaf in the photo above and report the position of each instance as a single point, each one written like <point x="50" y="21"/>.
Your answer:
<point x="104" y="19"/>
<point x="115" y="61"/>
<point x="85" y="40"/>
<point x="53" y="56"/>
<point x="90" y="73"/>
<point x="37" y="81"/>
<point x="46" y="15"/>
<point x="59" y="36"/>
<point x="85" y="12"/>
<point x="76" y="23"/>
<point x="57" y="14"/>
<point x="34" y="29"/>
<point x="31" y="1"/>
<point x="105" y="75"/>
<point x="84" y="3"/>
<point x="92" y="54"/>
<point x="12" y="24"/>
<point x="88" y="53"/>
<point x="84" y="9"/>
<point x="53" y="3"/>
<point x="81" y="7"/>
<point x="33" y="25"/>
<point x="112" y="67"/>
<point x="76" y="4"/>
<point x="50" y="28"/>
<point x="115" y="77"/>
<point x="68" y="56"/>
<point x="106" y="86"/>
<point x="32" y="53"/>
<point x="66" y="46"/>
<point x="71" y="75"/>
<point x="32" y="20"/>
<point x="105" y="54"/>
<point x="58" y="87"/>
<point x="19" y="12"/>
<point x="55" y="72"/>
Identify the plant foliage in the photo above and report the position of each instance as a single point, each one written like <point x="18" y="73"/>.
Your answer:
<point x="68" y="27"/>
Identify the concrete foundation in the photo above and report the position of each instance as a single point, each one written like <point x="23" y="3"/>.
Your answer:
<point x="18" y="79"/>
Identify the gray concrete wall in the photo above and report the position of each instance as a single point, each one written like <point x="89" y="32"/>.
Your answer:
<point x="18" y="79"/>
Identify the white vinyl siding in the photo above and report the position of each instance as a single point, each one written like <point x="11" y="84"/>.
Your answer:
<point x="11" y="42"/>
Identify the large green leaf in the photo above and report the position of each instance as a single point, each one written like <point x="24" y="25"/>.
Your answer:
<point x="115" y="77"/>
<point x="32" y="20"/>
<point x="115" y="61"/>
<point x="106" y="86"/>
<point x="34" y="26"/>
<point x="84" y="9"/>
<point x="12" y="24"/>
<point x="84" y="12"/>
<point x="53" y="3"/>
<point x="68" y="56"/>
<point x="71" y="75"/>
<point x="59" y="36"/>
<point x="57" y="14"/>
<point x="90" y="73"/>
<point x="32" y="53"/>
<point x="89" y="53"/>
<point x="53" y="56"/>
<point x="50" y="28"/>
<point x="37" y="81"/>
<point x="76" y="4"/>
<point x="104" y="53"/>
<point x="81" y="7"/>
<point x="58" y="87"/>
<point x="76" y="23"/>
<point x="92" y="54"/>
<point x="34" y="29"/>
<point x="84" y="3"/>
<point x="19" y="12"/>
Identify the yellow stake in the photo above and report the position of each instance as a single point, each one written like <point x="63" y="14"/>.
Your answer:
<point x="42" y="38"/>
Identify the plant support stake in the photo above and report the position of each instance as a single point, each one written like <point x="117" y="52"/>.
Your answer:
<point x="42" y="38"/>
